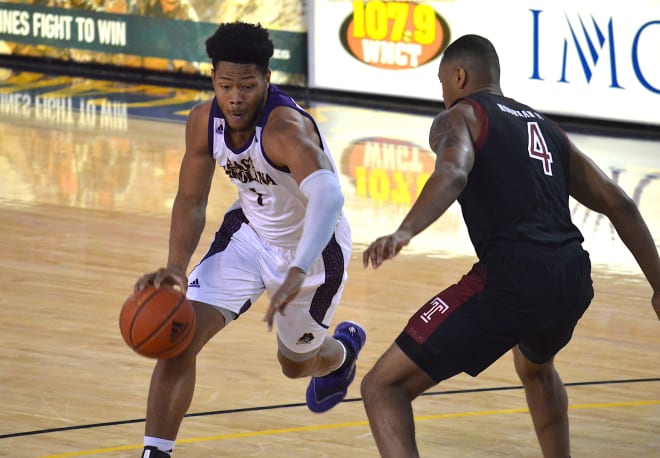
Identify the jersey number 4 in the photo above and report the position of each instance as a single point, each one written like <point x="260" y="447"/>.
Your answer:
<point x="537" y="147"/>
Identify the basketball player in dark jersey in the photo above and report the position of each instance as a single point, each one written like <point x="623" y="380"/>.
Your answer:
<point x="512" y="171"/>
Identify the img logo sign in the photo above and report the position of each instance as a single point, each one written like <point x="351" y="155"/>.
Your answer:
<point x="624" y="47"/>
<point x="394" y="34"/>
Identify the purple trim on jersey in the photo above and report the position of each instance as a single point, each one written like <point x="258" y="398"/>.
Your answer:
<point x="483" y="119"/>
<point x="432" y="314"/>
<point x="277" y="98"/>
<point x="214" y="112"/>
<point x="333" y="260"/>
<point x="230" y="225"/>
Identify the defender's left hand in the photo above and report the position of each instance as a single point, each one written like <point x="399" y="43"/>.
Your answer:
<point x="386" y="247"/>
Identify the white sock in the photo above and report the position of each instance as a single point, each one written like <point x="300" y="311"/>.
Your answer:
<point x="163" y="445"/>
<point x="343" y="359"/>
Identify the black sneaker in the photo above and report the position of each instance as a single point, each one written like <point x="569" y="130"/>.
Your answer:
<point x="153" y="452"/>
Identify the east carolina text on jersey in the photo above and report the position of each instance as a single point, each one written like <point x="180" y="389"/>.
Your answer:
<point x="245" y="172"/>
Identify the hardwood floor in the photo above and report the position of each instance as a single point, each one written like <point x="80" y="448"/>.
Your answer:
<point x="84" y="210"/>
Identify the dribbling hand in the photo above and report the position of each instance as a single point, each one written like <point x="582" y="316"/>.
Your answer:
<point x="162" y="276"/>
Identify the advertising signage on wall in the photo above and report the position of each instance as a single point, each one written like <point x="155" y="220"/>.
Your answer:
<point x="150" y="34"/>
<point x="589" y="59"/>
<point x="393" y="35"/>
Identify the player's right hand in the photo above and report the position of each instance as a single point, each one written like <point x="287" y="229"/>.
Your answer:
<point x="284" y="294"/>
<point x="162" y="276"/>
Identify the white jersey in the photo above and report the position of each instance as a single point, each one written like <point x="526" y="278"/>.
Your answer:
<point x="269" y="196"/>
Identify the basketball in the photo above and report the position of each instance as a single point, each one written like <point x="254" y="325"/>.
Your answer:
<point x="157" y="322"/>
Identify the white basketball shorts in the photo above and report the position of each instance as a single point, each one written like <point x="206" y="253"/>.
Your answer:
<point x="240" y="266"/>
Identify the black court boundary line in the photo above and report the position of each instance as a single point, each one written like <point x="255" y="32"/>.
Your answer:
<point x="302" y="404"/>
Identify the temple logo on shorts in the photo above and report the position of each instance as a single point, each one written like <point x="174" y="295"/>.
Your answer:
<point x="437" y="306"/>
<point x="305" y="338"/>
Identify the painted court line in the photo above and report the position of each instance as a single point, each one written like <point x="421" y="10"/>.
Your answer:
<point x="271" y="432"/>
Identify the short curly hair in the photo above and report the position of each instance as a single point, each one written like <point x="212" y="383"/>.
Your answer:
<point x="241" y="43"/>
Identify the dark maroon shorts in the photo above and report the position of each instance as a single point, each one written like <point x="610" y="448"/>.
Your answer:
<point x="518" y="294"/>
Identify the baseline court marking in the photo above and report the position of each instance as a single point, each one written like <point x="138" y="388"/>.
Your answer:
<point x="270" y="432"/>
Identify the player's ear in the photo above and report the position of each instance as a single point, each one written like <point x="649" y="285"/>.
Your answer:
<point x="267" y="76"/>
<point x="460" y="77"/>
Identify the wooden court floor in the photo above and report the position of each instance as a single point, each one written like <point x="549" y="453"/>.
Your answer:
<point x="85" y="196"/>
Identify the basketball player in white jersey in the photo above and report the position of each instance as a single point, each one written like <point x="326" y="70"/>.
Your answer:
<point x="286" y="234"/>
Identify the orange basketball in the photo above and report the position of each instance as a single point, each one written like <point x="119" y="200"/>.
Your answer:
<point x="157" y="322"/>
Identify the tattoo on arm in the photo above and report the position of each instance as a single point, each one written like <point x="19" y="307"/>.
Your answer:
<point x="442" y="133"/>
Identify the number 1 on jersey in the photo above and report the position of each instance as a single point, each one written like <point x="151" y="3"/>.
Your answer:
<point x="260" y="196"/>
<point x="537" y="147"/>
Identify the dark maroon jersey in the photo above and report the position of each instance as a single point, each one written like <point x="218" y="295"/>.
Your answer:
<point x="518" y="187"/>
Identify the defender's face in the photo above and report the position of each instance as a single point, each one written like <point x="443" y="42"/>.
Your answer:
<point x="241" y="91"/>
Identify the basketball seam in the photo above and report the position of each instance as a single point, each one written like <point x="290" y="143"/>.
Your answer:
<point x="189" y="330"/>
<point x="163" y="324"/>
<point x="137" y="313"/>
<point x="192" y="326"/>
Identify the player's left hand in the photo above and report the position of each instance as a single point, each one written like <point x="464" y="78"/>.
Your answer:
<point x="284" y="294"/>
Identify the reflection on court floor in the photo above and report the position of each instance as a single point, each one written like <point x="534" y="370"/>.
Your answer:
<point x="96" y="144"/>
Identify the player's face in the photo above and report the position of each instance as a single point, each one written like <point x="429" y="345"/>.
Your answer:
<point x="241" y="91"/>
